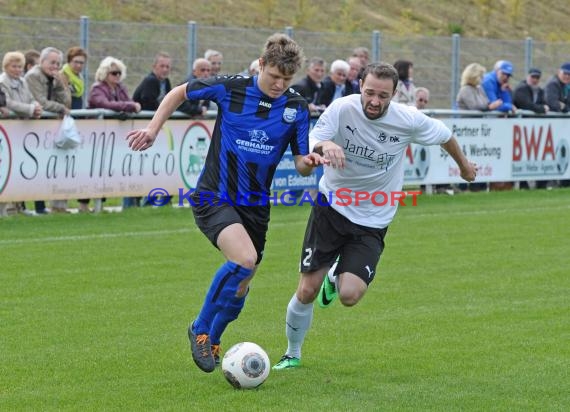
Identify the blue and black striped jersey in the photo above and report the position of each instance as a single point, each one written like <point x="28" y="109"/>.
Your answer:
<point x="251" y="134"/>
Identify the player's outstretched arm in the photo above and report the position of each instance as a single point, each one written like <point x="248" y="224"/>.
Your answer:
<point x="468" y="170"/>
<point x="305" y="164"/>
<point x="332" y="152"/>
<point x="142" y="139"/>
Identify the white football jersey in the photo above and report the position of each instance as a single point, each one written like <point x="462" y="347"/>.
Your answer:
<point x="374" y="151"/>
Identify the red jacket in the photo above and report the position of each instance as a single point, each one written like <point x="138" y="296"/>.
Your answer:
<point x="102" y="97"/>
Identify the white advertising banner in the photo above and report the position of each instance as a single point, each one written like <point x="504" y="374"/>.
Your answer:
<point x="506" y="149"/>
<point x="32" y="167"/>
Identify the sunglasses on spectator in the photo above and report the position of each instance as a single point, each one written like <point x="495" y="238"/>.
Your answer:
<point x="535" y="76"/>
<point x="115" y="73"/>
<point x="423" y="100"/>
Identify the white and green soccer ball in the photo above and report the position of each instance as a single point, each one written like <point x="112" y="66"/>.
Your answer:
<point x="246" y="365"/>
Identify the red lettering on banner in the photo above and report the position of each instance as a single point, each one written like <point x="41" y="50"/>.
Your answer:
<point x="527" y="144"/>
<point x="409" y="154"/>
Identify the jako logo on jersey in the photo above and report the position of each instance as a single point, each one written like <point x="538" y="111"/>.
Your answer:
<point x="265" y="104"/>
<point x="289" y="114"/>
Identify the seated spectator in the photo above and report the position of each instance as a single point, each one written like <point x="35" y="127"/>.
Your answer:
<point x="19" y="99"/>
<point x="471" y="95"/>
<point x="72" y="75"/>
<point x="422" y="98"/>
<point x="405" y="90"/>
<point x="216" y="59"/>
<point x="46" y="84"/>
<point x="556" y="91"/>
<point x="310" y="86"/>
<point x="156" y="85"/>
<point x="497" y="88"/>
<point x="48" y="88"/>
<point x="109" y="91"/>
<point x="528" y="94"/>
<point x="334" y="85"/>
<point x="201" y="69"/>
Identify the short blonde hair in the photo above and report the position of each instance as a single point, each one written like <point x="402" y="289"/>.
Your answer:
<point x="11" y="57"/>
<point x="106" y="66"/>
<point x="472" y="74"/>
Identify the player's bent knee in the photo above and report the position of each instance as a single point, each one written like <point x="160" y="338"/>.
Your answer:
<point x="350" y="299"/>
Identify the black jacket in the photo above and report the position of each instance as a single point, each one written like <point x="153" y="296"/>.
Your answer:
<point x="522" y="98"/>
<point x="328" y="89"/>
<point x="148" y="91"/>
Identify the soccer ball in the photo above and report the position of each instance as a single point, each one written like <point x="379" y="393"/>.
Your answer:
<point x="421" y="160"/>
<point x="562" y="156"/>
<point x="245" y="365"/>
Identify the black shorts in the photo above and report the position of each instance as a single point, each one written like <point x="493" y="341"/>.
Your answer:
<point x="330" y="235"/>
<point x="211" y="218"/>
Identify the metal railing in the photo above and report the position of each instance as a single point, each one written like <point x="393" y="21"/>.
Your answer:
<point x="438" y="61"/>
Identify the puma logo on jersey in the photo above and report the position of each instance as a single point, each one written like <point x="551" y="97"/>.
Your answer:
<point x="351" y="129"/>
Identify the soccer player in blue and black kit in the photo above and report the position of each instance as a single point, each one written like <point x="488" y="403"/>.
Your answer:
<point x="258" y="118"/>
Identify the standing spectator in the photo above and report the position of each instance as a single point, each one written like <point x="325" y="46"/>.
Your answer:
<point x="334" y="85"/>
<point x="201" y="69"/>
<point x="497" y="88"/>
<point x="72" y="75"/>
<point x="46" y="84"/>
<point x="528" y="94"/>
<point x="406" y="90"/>
<point x="32" y="58"/>
<point x="109" y="92"/>
<point x="49" y="89"/>
<point x="156" y="85"/>
<point x="354" y="73"/>
<point x="310" y="86"/>
<point x="422" y="97"/>
<point x="19" y="99"/>
<point x="471" y="95"/>
<point x="556" y="91"/>
<point x="216" y="59"/>
<point x="363" y="54"/>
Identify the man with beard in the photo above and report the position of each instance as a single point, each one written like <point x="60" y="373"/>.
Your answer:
<point x="365" y="139"/>
<point x="529" y="95"/>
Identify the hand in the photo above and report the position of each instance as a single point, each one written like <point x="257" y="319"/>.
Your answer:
<point x="38" y="109"/>
<point x="140" y="139"/>
<point x="4" y="111"/>
<point x="137" y="107"/>
<point x="315" y="159"/>
<point x="333" y="153"/>
<point x="469" y="171"/>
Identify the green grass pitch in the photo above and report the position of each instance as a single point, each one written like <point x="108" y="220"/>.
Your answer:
<point x="470" y="311"/>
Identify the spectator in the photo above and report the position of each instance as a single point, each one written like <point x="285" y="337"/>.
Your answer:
<point x="529" y="95"/>
<point x="254" y="68"/>
<point x="422" y="97"/>
<point x="46" y="84"/>
<point x="310" y="86"/>
<point x="556" y="91"/>
<point x="334" y="85"/>
<point x="201" y="69"/>
<point x="48" y="88"/>
<point x="406" y="90"/>
<point x="156" y="85"/>
<point x="109" y="92"/>
<point x="32" y="58"/>
<point x="354" y="73"/>
<point x="72" y="75"/>
<point x="497" y="88"/>
<point x="471" y="95"/>
<point x="216" y="59"/>
<point x="19" y="99"/>
<point x="363" y="54"/>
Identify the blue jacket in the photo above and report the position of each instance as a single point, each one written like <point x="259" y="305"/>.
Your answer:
<point x="494" y="92"/>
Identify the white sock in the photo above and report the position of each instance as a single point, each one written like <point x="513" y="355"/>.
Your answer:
<point x="298" y="322"/>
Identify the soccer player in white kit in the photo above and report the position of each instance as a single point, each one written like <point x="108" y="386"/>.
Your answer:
<point x="365" y="138"/>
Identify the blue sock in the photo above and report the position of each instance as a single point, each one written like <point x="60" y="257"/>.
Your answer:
<point x="222" y="290"/>
<point x="229" y="313"/>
